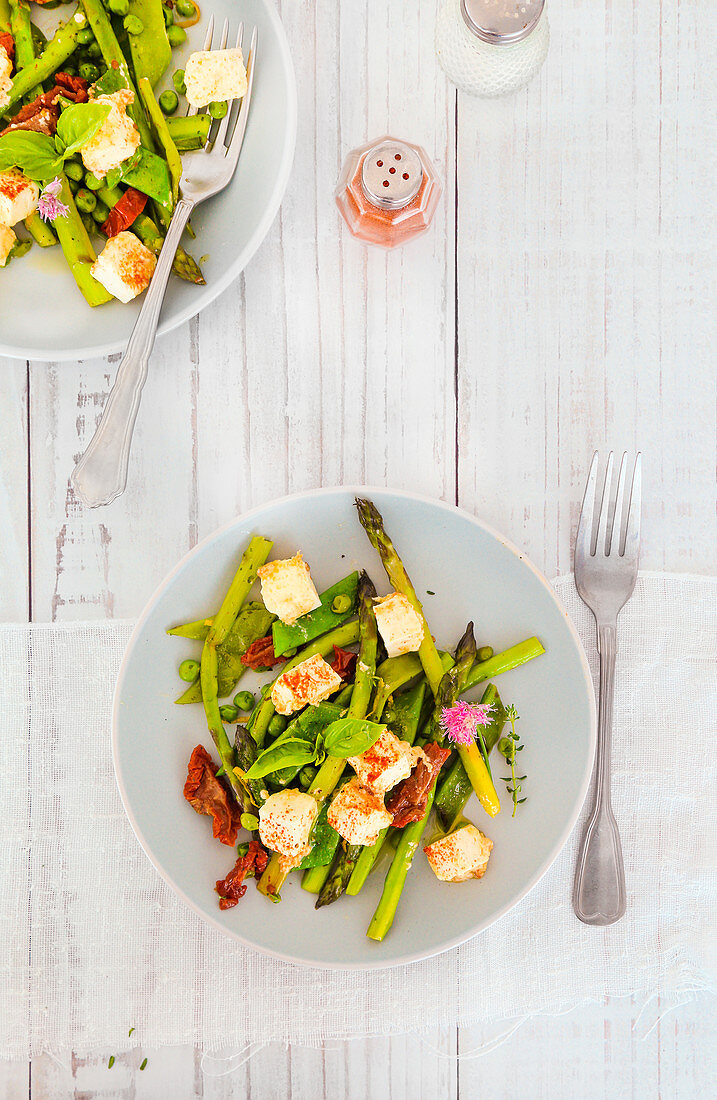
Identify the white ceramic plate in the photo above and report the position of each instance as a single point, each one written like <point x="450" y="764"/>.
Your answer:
<point x="230" y="227"/>
<point x="474" y="574"/>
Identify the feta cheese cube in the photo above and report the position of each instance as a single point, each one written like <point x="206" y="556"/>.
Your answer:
<point x="5" y="77"/>
<point x="214" y="75"/>
<point x="285" y="823"/>
<point x="287" y="589"/>
<point x="116" y="139"/>
<point x="18" y="196"/>
<point x="386" y="763"/>
<point x="124" y="266"/>
<point x="7" y="240"/>
<point x="399" y="624"/>
<point x="461" y="855"/>
<point x="306" y="684"/>
<point x="357" y="815"/>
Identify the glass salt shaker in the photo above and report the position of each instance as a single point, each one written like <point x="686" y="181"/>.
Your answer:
<point x="388" y="192"/>
<point x="491" y="47"/>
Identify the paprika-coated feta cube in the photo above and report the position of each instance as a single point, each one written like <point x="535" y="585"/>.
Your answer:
<point x="357" y="815"/>
<point x="18" y="196"/>
<point x="386" y="763"/>
<point x="287" y="588"/>
<point x="212" y="76"/>
<point x="285" y="823"/>
<point x="399" y="624"/>
<point x="305" y="685"/>
<point x="461" y="855"/>
<point x="124" y="266"/>
<point x="117" y="138"/>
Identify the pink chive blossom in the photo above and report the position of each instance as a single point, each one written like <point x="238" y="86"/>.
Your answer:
<point x="461" y="721"/>
<point x="49" y="206"/>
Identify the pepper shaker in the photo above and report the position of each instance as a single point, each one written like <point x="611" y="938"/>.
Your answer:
<point x="387" y="192"/>
<point x="491" y="47"/>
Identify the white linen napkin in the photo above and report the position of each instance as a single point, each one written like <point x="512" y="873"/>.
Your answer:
<point x="92" y="942"/>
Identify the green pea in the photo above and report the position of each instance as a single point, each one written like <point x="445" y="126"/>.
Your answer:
<point x="94" y="49"/>
<point x="93" y="182"/>
<point x="177" y="36"/>
<point x="178" y="81"/>
<point x="188" y="671"/>
<point x="74" y="170"/>
<point x="86" y="201"/>
<point x="169" y="101"/>
<point x="185" y="8"/>
<point x="229" y="713"/>
<point x="276" y="726"/>
<point x="113" y="177"/>
<point x="89" y="72"/>
<point x="119" y="7"/>
<point x="132" y="24"/>
<point x="74" y="184"/>
<point x="306" y="777"/>
<point x="244" y="700"/>
<point x="485" y="653"/>
<point x="89" y="224"/>
<point x="340" y="604"/>
<point x="101" y="213"/>
<point x="84" y="38"/>
<point x="70" y="70"/>
<point x="218" y="109"/>
<point x="168" y="16"/>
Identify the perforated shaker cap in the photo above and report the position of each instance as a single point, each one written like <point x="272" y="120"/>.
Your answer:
<point x="501" y="22"/>
<point x="391" y="175"/>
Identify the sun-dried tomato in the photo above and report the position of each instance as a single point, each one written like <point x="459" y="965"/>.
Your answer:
<point x="210" y="795"/>
<point x="125" y="212"/>
<point x="409" y="799"/>
<point x="233" y="887"/>
<point x="260" y="655"/>
<point x="344" y="663"/>
<point x="75" y="85"/>
<point x="8" y="43"/>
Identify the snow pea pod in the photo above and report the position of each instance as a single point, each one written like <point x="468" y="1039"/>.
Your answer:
<point x="252" y="622"/>
<point x="317" y="622"/>
<point x="149" y="173"/>
<point x="150" y="51"/>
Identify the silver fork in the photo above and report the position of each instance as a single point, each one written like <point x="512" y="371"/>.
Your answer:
<point x="101" y="474"/>
<point x="605" y="574"/>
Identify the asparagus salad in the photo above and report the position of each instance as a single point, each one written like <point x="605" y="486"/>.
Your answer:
<point x="89" y="154"/>
<point x="362" y="746"/>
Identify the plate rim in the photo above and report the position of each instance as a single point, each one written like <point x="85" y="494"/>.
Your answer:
<point x="482" y="925"/>
<point x="212" y="290"/>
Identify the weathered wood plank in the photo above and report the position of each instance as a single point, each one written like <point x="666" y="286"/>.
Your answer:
<point x="14" y="560"/>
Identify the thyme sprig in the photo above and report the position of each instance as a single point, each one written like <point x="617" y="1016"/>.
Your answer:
<point x="509" y="747"/>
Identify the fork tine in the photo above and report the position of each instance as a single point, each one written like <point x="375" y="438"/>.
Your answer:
<point x="207" y="46"/>
<point x="601" y="546"/>
<point x="223" y="125"/>
<point x="237" y="140"/>
<point x="583" y="539"/>
<point x="225" y="35"/>
<point x="632" y="532"/>
<point x="616" y="538"/>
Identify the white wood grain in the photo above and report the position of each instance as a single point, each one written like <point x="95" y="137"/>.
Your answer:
<point x="14" y="558"/>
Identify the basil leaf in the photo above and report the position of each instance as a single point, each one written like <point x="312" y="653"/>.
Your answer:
<point x="290" y="753"/>
<point x="78" y="124"/>
<point x="34" y="154"/>
<point x="351" y="736"/>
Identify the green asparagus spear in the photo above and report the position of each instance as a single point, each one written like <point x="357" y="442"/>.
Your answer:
<point x="189" y="132"/>
<point x="503" y="662"/>
<point x="4" y="15"/>
<point x="40" y="230"/>
<point x="451" y="686"/>
<point x="159" y="124"/>
<point x="57" y="51"/>
<point x="456" y="789"/>
<point x="77" y="248"/>
<point x="183" y="264"/>
<point x="21" y="30"/>
<point x="339" y="873"/>
<point x="372" y="523"/>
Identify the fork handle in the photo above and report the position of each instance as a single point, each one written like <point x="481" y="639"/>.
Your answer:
<point x="599" y="895"/>
<point x="101" y="474"/>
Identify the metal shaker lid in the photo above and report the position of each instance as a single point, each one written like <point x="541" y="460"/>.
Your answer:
<point x="391" y="175"/>
<point x="501" y="22"/>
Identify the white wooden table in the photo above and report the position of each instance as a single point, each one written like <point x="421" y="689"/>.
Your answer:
<point x="560" y="303"/>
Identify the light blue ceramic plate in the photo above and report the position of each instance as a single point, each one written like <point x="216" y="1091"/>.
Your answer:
<point x="230" y="227"/>
<point x="472" y="573"/>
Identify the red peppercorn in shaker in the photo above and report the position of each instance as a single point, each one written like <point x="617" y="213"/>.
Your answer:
<point x="388" y="192"/>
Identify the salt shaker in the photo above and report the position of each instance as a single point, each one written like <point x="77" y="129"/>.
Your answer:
<point x="491" y="47"/>
<point x="388" y="191"/>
